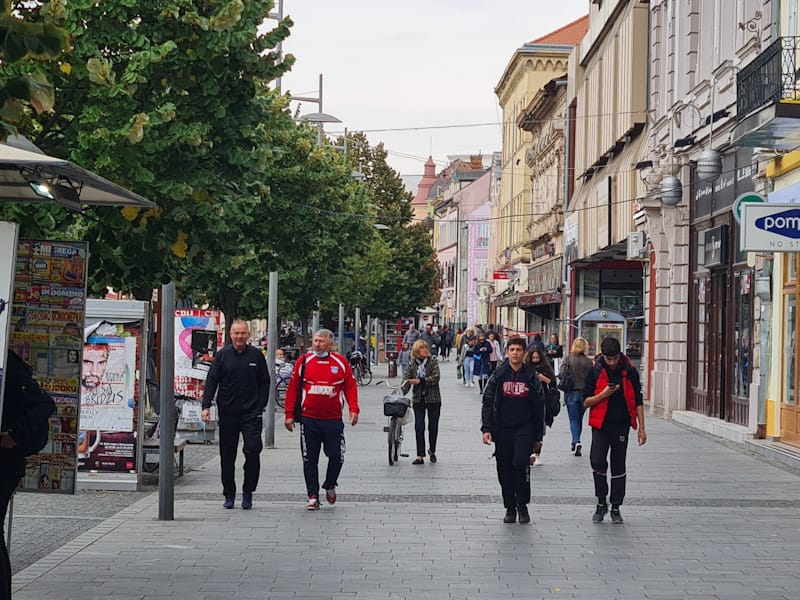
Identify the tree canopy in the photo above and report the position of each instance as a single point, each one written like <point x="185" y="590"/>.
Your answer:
<point x="173" y="99"/>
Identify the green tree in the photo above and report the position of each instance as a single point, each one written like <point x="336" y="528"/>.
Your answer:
<point x="408" y="277"/>
<point x="168" y="98"/>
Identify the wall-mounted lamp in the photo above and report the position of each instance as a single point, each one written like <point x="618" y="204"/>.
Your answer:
<point x="671" y="191"/>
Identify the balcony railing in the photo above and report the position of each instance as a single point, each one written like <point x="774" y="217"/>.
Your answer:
<point x="771" y="78"/>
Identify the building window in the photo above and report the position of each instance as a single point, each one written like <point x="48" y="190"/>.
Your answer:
<point x="699" y="373"/>
<point x="742" y="366"/>
<point x="790" y="348"/>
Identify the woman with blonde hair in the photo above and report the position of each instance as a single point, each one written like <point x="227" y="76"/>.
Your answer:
<point x="579" y="364"/>
<point x="423" y="373"/>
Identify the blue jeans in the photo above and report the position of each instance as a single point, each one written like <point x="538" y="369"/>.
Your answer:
<point x="469" y="365"/>
<point x="575" y="410"/>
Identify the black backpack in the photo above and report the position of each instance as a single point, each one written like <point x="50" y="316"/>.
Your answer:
<point x="26" y="408"/>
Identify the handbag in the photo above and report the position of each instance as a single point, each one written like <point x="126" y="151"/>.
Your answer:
<point x="566" y="378"/>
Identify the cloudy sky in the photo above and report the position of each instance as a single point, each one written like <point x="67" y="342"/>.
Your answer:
<point x="421" y="81"/>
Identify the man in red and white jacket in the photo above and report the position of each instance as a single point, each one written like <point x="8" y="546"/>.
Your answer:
<point x="322" y="380"/>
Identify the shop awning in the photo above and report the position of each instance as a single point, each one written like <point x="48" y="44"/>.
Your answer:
<point x="539" y="299"/>
<point x="27" y="175"/>
<point x="509" y="300"/>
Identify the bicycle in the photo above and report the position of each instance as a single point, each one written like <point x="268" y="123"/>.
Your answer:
<point x="282" y="377"/>
<point x="396" y="407"/>
<point x="361" y="371"/>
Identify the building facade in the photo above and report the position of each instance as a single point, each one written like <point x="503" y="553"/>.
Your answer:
<point x="529" y="71"/>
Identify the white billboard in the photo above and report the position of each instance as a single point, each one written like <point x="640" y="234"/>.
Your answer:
<point x="770" y="228"/>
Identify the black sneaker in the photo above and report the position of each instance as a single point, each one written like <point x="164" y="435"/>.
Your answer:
<point x="599" y="513"/>
<point x="616" y="516"/>
<point x="578" y="448"/>
<point x="524" y="515"/>
<point x="229" y="502"/>
<point x="247" y="500"/>
<point x="511" y="516"/>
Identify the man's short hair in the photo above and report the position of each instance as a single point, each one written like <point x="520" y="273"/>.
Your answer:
<point x="325" y="333"/>
<point x="610" y="346"/>
<point x="516" y="341"/>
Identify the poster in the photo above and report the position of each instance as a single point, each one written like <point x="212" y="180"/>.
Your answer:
<point x="198" y="336"/>
<point x="107" y="383"/>
<point x="46" y="320"/>
<point x="110" y="397"/>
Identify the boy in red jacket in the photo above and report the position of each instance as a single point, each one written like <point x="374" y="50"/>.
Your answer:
<point x="321" y="378"/>
<point x="614" y="397"/>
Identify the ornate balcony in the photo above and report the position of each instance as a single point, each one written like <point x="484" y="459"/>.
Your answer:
<point x="768" y="98"/>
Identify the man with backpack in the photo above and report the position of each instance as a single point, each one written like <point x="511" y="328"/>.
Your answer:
<point x="24" y="431"/>
<point x="614" y="397"/>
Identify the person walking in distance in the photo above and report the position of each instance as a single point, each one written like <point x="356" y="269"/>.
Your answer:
<point x="319" y="381"/>
<point x="579" y="364"/>
<point x="411" y="335"/>
<point x="423" y="373"/>
<point x="536" y="359"/>
<point x="240" y="379"/>
<point x="614" y="397"/>
<point x="512" y="417"/>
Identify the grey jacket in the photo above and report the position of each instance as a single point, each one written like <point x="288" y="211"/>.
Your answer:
<point x="429" y="385"/>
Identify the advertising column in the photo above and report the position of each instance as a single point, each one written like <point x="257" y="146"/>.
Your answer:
<point x="46" y="332"/>
<point x="198" y="336"/>
<point x="8" y="249"/>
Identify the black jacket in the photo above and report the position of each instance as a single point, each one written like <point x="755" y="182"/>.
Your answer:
<point x="493" y="398"/>
<point x="25" y="411"/>
<point x="241" y="382"/>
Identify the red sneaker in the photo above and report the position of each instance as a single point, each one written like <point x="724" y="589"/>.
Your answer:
<point x="330" y="496"/>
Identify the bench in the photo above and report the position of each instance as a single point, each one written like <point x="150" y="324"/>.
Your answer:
<point x="153" y="446"/>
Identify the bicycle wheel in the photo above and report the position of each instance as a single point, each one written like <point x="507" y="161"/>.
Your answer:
<point x="366" y="377"/>
<point x="398" y="440"/>
<point x="391" y="440"/>
<point x="280" y="391"/>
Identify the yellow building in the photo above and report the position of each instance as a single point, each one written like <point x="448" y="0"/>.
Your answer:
<point x="530" y="69"/>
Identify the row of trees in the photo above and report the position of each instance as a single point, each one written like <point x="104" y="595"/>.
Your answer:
<point x="172" y="99"/>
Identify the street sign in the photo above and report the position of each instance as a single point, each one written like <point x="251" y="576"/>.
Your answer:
<point x="770" y="227"/>
<point x="505" y="274"/>
<point x="736" y="207"/>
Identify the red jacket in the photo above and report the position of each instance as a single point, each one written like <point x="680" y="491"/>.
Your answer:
<point x="597" y="414"/>
<point x="327" y="382"/>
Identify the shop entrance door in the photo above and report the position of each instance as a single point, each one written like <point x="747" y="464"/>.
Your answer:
<point x="717" y="327"/>
<point x="790" y="415"/>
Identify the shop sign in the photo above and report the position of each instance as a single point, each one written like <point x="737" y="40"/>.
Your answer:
<point x="770" y="228"/>
<point x="736" y="207"/>
<point x="715" y="246"/>
<point x="505" y="274"/>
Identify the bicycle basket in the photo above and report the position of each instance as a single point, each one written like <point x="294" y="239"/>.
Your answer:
<point x="395" y="406"/>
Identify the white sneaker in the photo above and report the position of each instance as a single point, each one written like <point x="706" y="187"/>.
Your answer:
<point x="313" y="503"/>
<point x="537" y="461"/>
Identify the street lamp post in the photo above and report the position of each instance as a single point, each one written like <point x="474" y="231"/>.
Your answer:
<point x="318" y="117"/>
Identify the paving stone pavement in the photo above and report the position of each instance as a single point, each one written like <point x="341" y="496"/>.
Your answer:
<point x="703" y="519"/>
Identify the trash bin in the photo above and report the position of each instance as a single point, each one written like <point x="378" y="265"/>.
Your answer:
<point x="392" y="358"/>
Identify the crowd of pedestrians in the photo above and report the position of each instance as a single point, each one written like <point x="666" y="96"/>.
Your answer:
<point x="520" y="385"/>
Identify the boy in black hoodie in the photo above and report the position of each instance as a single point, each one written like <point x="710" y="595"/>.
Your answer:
<point x="513" y="418"/>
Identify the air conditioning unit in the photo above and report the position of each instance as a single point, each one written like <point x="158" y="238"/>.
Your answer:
<point x="637" y="245"/>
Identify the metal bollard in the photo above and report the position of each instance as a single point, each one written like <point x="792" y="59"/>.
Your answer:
<point x="392" y="358"/>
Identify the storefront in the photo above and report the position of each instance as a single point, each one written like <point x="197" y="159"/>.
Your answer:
<point x="783" y="419"/>
<point x="721" y="320"/>
<point x="615" y="285"/>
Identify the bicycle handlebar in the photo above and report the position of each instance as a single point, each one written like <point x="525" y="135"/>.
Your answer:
<point x="393" y="387"/>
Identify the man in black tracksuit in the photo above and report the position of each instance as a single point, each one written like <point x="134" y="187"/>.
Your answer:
<point x="240" y="378"/>
<point x="513" y="418"/>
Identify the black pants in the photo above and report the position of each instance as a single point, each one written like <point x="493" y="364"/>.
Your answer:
<point x="433" y="425"/>
<point x="328" y="436"/>
<point x="250" y="429"/>
<point x="614" y="437"/>
<point x="7" y="487"/>
<point x="512" y="453"/>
